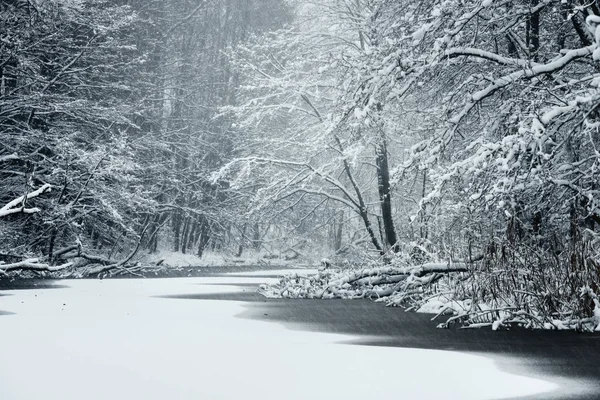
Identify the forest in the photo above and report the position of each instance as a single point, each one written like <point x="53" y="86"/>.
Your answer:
<point x="440" y="155"/>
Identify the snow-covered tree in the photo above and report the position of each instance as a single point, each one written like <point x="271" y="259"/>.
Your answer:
<point x="497" y="101"/>
<point x="65" y="166"/>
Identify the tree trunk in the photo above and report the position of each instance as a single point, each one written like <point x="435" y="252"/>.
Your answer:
<point x="191" y="237"/>
<point x="579" y="24"/>
<point x="242" y="239"/>
<point x="176" y="230"/>
<point x="385" y="198"/>
<point x="203" y="238"/>
<point x="362" y="207"/>
<point x="533" y="31"/>
<point x="256" y="242"/>
<point x="423" y="229"/>
<point x="152" y="243"/>
<point x="339" y="228"/>
<point x="95" y="239"/>
<point x="51" y="245"/>
<point x="186" y="231"/>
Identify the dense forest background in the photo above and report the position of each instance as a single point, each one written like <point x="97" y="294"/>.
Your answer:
<point x="108" y="115"/>
<point x="395" y="131"/>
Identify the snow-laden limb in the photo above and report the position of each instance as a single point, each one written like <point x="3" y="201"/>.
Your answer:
<point x="34" y="264"/>
<point x="488" y="55"/>
<point x="535" y="70"/>
<point x="366" y="273"/>
<point x="418" y="271"/>
<point x="17" y="205"/>
<point x="9" y="157"/>
<point x="374" y="282"/>
<point x="430" y="268"/>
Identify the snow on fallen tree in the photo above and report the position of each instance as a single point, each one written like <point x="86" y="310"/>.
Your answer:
<point x="34" y="264"/>
<point x="18" y="205"/>
<point x="80" y="264"/>
<point x="465" y="293"/>
<point x="75" y="262"/>
<point x="376" y="282"/>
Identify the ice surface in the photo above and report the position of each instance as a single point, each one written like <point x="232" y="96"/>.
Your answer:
<point x="114" y="339"/>
<point x="278" y="272"/>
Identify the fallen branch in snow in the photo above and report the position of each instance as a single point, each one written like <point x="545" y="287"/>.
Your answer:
<point x="367" y="282"/>
<point x="75" y="251"/>
<point x="120" y="264"/>
<point x="385" y="275"/>
<point x="61" y="252"/>
<point x="18" y="205"/>
<point x="83" y="264"/>
<point x="97" y="259"/>
<point x="9" y="157"/>
<point x="33" y="264"/>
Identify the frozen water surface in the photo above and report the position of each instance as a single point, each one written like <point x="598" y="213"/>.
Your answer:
<point x="117" y="339"/>
<point x="277" y="272"/>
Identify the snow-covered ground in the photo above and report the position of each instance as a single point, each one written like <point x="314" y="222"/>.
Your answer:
<point x="115" y="339"/>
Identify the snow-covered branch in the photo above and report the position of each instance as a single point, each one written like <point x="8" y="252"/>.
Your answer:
<point x="323" y="193"/>
<point x="351" y="202"/>
<point x="9" y="157"/>
<point x="33" y="264"/>
<point x="532" y="72"/>
<point x="365" y="282"/>
<point x="18" y="205"/>
<point x="488" y="55"/>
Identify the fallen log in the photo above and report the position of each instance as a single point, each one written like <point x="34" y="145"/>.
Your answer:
<point x="381" y="280"/>
<point x="430" y="268"/>
<point x="381" y="274"/>
<point x="365" y="273"/>
<point x="33" y="264"/>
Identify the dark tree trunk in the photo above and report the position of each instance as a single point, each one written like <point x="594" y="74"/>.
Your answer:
<point x="385" y="198"/>
<point x="339" y="228"/>
<point x="242" y="240"/>
<point x="152" y="243"/>
<point x="191" y="237"/>
<point x="256" y="242"/>
<point x="423" y="229"/>
<point x="512" y="48"/>
<point x="186" y="231"/>
<point x="203" y="238"/>
<point x="561" y="37"/>
<point x="533" y="31"/>
<point x="176" y="231"/>
<point x="579" y="24"/>
<point x="95" y="239"/>
<point x="51" y="245"/>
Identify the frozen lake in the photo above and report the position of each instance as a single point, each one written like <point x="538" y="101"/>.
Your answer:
<point x="145" y="339"/>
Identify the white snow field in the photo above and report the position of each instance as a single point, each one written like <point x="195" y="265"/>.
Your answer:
<point x="277" y="272"/>
<point x="113" y="339"/>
